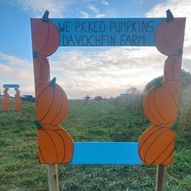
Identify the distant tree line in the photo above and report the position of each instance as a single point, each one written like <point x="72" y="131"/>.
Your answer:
<point x="133" y="99"/>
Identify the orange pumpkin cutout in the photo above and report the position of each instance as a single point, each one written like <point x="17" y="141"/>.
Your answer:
<point x="156" y="145"/>
<point x="45" y="36"/>
<point x="41" y="70"/>
<point x="6" y="100"/>
<point x="160" y="105"/>
<point x="170" y="35"/>
<point x="51" y="105"/>
<point x="55" y="146"/>
<point x="18" y="101"/>
<point x="172" y="68"/>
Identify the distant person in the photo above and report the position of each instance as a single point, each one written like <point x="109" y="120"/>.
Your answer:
<point x="87" y="98"/>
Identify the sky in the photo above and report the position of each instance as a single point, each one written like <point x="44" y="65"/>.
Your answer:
<point x="80" y="71"/>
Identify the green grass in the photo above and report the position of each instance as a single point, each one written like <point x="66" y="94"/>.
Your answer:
<point x="97" y="121"/>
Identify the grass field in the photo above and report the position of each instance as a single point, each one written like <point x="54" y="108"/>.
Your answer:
<point x="96" y="121"/>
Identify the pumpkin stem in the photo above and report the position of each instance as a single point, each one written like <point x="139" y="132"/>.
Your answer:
<point x="179" y="51"/>
<point x="52" y="83"/>
<point x="37" y="124"/>
<point x="35" y="54"/>
<point x="174" y="127"/>
<point x="169" y="16"/>
<point x="157" y="83"/>
<point x="45" y="16"/>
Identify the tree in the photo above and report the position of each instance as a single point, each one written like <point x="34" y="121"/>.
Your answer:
<point x="184" y="81"/>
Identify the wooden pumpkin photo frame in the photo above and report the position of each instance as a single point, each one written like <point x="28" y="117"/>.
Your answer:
<point x="156" y="144"/>
<point x="6" y="97"/>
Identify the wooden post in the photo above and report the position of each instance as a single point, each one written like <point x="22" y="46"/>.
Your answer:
<point x="53" y="182"/>
<point x="160" y="177"/>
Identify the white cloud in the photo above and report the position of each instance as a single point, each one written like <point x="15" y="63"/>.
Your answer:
<point x="105" y="72"/>
<point x="105" y="2"/>
<point x="84" y="14"/>
<point x="16" y="70"/>
<point x="56" y="7"/>
<point x="95" y="12"/>
<point x="5" y="69"/>
<point x="93" y="8"/>
<point x="100" y="15"/>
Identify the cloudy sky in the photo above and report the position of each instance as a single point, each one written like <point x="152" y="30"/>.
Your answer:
<point x="80" y="71"/>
